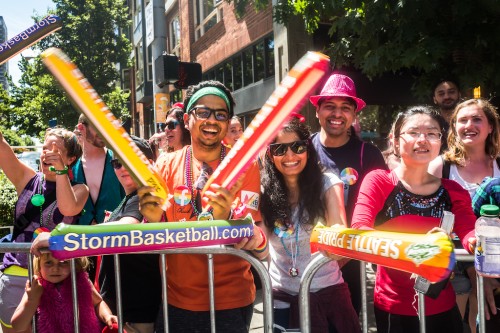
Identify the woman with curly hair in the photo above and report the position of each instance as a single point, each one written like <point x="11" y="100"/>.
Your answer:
<point x="473" y="148"/>
<point x="296" y="195"/>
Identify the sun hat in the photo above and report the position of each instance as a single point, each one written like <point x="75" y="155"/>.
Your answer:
<point x="338" y="85"/>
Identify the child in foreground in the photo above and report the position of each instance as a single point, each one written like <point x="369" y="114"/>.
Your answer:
<point x="49" y="296"/>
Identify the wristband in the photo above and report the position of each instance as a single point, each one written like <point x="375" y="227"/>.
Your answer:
<point x="59" y="172"/>
<point x="262" y="247"/>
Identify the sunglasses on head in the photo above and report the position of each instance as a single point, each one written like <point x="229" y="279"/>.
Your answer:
<point x="171" y="125"/>
<point x="116" y="164"/>
<point x="280" y="149"/>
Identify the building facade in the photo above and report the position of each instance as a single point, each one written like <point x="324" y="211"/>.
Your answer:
<point x="249" y="54"/>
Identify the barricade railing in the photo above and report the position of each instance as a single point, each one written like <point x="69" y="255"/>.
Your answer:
<point x="209" y="251"/>
<point x="316" y="263"/>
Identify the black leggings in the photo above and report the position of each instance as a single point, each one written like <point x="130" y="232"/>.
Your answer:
<point x="226" y="321"/>
<point x="449" y="322"/>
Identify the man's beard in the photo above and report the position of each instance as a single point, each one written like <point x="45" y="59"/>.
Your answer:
<point x="448" y="107"/>
<point x="95" y="141"/>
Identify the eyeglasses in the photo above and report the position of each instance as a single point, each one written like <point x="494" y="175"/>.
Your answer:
<point x="431" y="136"/>
<point x="171" y="125"/>
<point x="116" y="164"/>
<point x="280" y="149"/>
<point x="203" y="112"/>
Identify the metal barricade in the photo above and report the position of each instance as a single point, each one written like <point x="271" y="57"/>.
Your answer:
<point x="315" y="265"/>
<point x="209" y="251"/>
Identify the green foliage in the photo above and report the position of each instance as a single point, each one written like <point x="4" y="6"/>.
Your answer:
<point x="92" y="38"/>
<point x="8" y="199"/>
<point x="433" y="39"/>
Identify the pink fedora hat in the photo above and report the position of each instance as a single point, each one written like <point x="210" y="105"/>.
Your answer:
<point x="338" y="85"/>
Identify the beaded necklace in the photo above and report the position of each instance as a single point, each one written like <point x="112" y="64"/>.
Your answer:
<point x="189" y="176"/>
<point x="38" y="200"/>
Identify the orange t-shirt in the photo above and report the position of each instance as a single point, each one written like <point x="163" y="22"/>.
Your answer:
<point x="187" y="274"/>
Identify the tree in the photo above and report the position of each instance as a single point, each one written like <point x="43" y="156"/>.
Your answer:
<point x="92" y="38"/>
<point x="432" y="39"/>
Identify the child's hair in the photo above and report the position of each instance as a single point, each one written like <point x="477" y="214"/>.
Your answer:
<point x="81" y="263"/>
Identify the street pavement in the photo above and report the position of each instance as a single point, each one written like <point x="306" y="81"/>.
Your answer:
<point x="257" y="325"/>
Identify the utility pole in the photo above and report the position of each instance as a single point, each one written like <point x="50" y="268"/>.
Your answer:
<point x="156" y="35"/>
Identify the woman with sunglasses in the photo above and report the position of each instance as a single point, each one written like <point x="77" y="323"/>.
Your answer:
<point x="296" y="195"/>
<point x="410" y="199"/>
<point x="175" y="135"/>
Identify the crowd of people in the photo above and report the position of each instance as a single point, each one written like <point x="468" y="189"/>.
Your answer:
<point x="436" y="161"/>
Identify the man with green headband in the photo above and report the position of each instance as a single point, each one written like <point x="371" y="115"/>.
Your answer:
<point x="208" y="109"/>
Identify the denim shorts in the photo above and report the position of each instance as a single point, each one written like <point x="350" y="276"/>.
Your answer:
<point x="460" y="281"/>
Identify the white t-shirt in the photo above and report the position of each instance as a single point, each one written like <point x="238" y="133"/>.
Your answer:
<point x="285" y="255"/>
<point x="470" y="187"/>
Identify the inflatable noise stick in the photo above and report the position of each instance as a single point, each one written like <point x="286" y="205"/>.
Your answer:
<point x="85" y="99"/>
<point x="28" y="37"/>
<point x="73" y="241"/>
<point x="431" y="255"/>
<point x="288" y="97"/>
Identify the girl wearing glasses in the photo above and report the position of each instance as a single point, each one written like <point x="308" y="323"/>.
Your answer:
<point x="410" y="199"/>
<point x="296" y="195"/>
<point x="473" y="147"/>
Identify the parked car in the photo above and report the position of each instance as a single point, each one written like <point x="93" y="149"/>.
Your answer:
<point x="30" y="158"/>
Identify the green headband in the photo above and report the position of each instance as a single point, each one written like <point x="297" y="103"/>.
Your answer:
<point x="208" y="91"/>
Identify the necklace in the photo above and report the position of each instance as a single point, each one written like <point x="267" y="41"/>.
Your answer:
<point x="38" y="200"/>
<point x="294" y="251"/>
<point x="189" y="179"/>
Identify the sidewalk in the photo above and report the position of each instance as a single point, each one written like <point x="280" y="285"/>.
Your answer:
<point x="257" y="325"/>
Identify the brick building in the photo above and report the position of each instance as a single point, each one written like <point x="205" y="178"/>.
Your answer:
<point x="249" y="54"/>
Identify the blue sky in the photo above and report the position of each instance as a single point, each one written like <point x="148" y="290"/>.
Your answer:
<point x="17" y="16"/>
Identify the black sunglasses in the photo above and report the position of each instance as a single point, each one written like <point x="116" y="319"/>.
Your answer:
<point x="116" y="164"/>
<point x="202" y="112"/>
<point x="280" y="149"/>
<point x="171" y="125"/>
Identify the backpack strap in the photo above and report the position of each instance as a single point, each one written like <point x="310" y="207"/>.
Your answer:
<point x="446" y="169"/>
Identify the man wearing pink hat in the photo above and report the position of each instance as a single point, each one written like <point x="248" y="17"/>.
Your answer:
<point x="342" y="151"/>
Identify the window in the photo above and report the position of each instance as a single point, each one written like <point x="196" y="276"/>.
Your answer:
<point x="259" y="54"/>
<point x="139" y="66"/>
<point x="207" y="14"/>
<point x="126" y="79"/>
<point x="237" y="73"/>
<point x="149" y="57"/>
<point x="138" y="13"/>
<point x="249" y="66"/>
<point x="174" y="36"/>
<point x="269" y="60"/>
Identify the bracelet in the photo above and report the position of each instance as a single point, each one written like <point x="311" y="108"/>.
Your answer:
<point x="59" y="172"/>
<point x="262" y="247"/>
